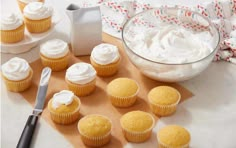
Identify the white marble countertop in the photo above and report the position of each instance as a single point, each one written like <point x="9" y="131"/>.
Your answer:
<point x="210" y="115"/>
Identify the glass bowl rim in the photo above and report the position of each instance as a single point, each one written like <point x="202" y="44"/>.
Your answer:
<point x="170" y="7"/>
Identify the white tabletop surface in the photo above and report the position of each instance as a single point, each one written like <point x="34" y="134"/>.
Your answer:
<point x="210" y="115"/>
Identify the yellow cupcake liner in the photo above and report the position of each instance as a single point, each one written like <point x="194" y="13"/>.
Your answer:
<point x="65" y="118"/>
<point x="18" y="86"/>
<point x="162" y="145"/>
<point x="38" y="26"/>
<point x="106" y="70"/>
<point x="138" y="137"/>
<point x="22" y="4"/>
<point x="82" y="89"/>
<point x="58" y="64"/>
<point x="123" y="101"/>
<point x="95" y="141"/>
<point x="163" y="110"/>
<point x="13" y="36"/>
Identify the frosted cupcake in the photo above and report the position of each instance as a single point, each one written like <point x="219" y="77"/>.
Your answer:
<point x="17" y="74"/>
<point x="81" y="79"/>
<point x="173" y="136"/>
<point x="37" y="17"/>
<point x="137" y="126"/>
<point x="163" y="100"/>
<point x="64" y="107"/>
<point x="12" y="29"/>
<point x="55" y="54"/>
<point x="122" y="92"/>
<point x="23" y="3"/>
<point x="105" y="58"/>
<point x="95" y="130"/>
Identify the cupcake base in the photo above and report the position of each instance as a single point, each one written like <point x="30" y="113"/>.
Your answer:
<point x="38" y="26"/>
<point x="65" y="118"/>
<point x="137" y="137"/>
<point x="96" y="141"/>
<point x="13" y="36"/>
<point x="83" y="89"/>
<point x="163" y="110"/>
<point x="105" y="70"/>
<point x="58" y="64"/>
<point x="19" y="86"/>
<point x="162" y="145"/>
<point x="122" y="102"/>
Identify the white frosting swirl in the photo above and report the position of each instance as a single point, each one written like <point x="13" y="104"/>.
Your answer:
<point x="80" y="73"/>
<point x="64" y="97"/>
<point x="29" y="1"/>
<point x="11" y="22"/>
<point x="54" y="48"/>
<point x="37" y="11"/>
<point x="171" y="44"/>
<point x="16" y="69"/>
<point x="105" y="54"/>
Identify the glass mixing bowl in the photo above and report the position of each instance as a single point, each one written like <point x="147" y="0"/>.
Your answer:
<point x="185" y="18"/>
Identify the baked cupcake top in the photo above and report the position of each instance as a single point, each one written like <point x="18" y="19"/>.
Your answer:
<point x="137" y="121"/>
<point x="11" y="22"/>
<point x="164" y="95"/>
<point x="104" y="54"/>
<point x="64" y="102"/>
<point x="28" y="1"/>
<point x="122" y="87"/>
<point x="94" y="125"/>
<point x="37" y="11"/>
<point x="16" y="69"/>
<point x="80" y="73"/>
<point x="54" y="48"/>
<point x="173" y="136"/>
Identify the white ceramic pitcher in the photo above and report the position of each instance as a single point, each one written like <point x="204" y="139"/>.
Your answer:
<point x="86" y="28"/>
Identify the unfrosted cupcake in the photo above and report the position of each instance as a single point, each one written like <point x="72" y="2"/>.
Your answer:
<point x="17" y="74"/>
<point x="137" y="126"/>
<point x="23" y="3"/>
<point x="81" y="78"/>
<point x="105" y="58"/>
<point x="163" y="100"/>
<point x="173" y="136"/>
<point x="95" y="130"/>
<point x="64" y="107"/>
<point x="122" y="92"/>
<point x="55" y="54"/>
<point x="37" y="17"/>
<point x="12" y="29"/>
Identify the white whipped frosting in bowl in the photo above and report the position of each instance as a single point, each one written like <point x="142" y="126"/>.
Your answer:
<point x="37" y="11"/>
<point x="29" y="1"/>
<point x="171" y="44"/>
<point x="16" y="69"/>
<point x="104" y="54"/>
<point x="64" y="97"/>
<point x="54" y="48"/>
<point x="11" y="22"/>
<point x="80" y="73"/>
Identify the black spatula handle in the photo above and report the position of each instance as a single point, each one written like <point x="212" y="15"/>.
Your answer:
<point x="28" y="132"/>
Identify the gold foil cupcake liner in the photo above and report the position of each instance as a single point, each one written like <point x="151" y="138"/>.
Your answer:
<point x="65" y="118"/>
<point x="163" y="110"/>
<point x="95" y="141"/>
<point x="38" y="26"/>
<point x="58" y="64"/>
<point x="19" y="86"/>
<point x="13" y="36"/>
<point x="82" y="89"/>
<point x="162" y="145"/>
<point x="106" y="70"/>
<point x="138" y="137"/>
<point x="123" y="101"/>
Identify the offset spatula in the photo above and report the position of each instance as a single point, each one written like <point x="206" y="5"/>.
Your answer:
<point x="30" y="125"/>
